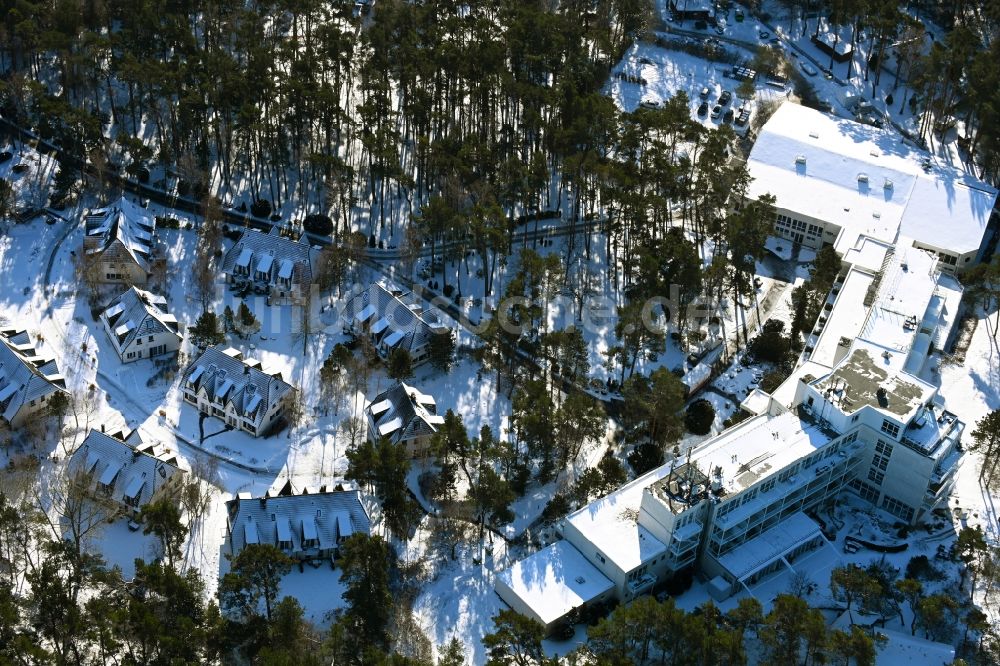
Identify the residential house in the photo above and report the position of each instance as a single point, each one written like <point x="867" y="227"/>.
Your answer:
<point x="406" y="416"/>
<point x="221" y="383"/>
<point x="139" y="326"/>
<point x="392" y="319"/>
<point x="28" y="381"/>
<point x="125" y="470"/>
<point x="121" y="244"/>
<point x="269" y="264"/>
<point x="306" y="525"/>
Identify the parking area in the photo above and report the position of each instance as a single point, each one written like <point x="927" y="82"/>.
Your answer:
<point x="718" y="92"/>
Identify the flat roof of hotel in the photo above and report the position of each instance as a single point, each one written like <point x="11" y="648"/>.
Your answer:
<point x="758" y="448"/>
<point x="610" y="523"/>
<point x="554" y="581"/>
<point x="874" y="376"/>
<point x="867" y="180"/>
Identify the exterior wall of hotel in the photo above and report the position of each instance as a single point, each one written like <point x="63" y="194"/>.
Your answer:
<point x="657" y="566"/>
<point x="950" y="261"/>
<point x="682" y="544"/>
<point x="906" y="487"/>
<point x="805" y="484"/>
<point x="603" y="563"/>
<point x="787" y="224"/>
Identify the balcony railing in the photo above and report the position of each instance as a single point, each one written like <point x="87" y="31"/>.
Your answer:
<point x="641" y="584"/>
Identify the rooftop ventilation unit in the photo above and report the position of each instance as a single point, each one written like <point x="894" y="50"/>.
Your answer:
<point x="862" y="178"/>
<point x="800" y="159"/>
<point x="887" y="184"/>
<point x="874" y="153"/>
<point x="814" y="134"/>
<point x="877" y="215"/>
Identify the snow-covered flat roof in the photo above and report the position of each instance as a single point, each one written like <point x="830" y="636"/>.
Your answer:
<point x="758" y="448"/>
<point x="757" y="402"/>
<point x="907" y="285"/>
<point x="846" y="318"/>
<point x="610" y="523"/>
<point x="863" y="251"/>
<point x="764" y="548"/>
<point x="867" y="180"/>
<point x="869" y="369"/>
<point x="554" y="581"/>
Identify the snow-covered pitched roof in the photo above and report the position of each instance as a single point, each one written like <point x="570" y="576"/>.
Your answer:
<point x="258" y="251"/>
<point x="402" y="413"/>
<point x="554" y="581"/>
<point x="867" y="181"/>
<point x="397" y="324"/>
<point x="137" y="313"/>
<point x="24" y="375"/>
<point x="130" y="470"/>
<point x="327" y="515"/>
<point x="225" y="376"/>
<point x="123" y="229"/>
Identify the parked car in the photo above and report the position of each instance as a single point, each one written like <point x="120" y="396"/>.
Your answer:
<point x="703" y="109"/>
<point x="807" y="69"/>
<point x="649" y="104"/>
<point x="6" y="156"/>
<point x="704" y="92"/>
<point x="716" y="112"/>
<point x="725" y="98"/>
<point x="764" y="34"/>
<point x="739" y="16"/>
<point x="728" y="116"/>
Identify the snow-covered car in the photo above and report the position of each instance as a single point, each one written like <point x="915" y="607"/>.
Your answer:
<point x="704" y="92"/>
<point x="807" y="69"/>
<point x="703" y="109"/>
<point x="716" y="112"/>
<point x="725" y="97"/>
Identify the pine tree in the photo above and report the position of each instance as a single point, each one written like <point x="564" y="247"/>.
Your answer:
<point x="206" y="331"/>
<point x="255" y="576"/>
<point x="162" y="518"/>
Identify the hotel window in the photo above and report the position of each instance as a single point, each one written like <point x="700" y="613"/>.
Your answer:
<point x="883" y="447"/>
<point x="880" y="461"/>
<point x="864" y="490"/>
<point x="876" y="476"/>
<point x="890" y="428"/>
<point x="767" y="486"/>
<point x="897" y="508"/>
